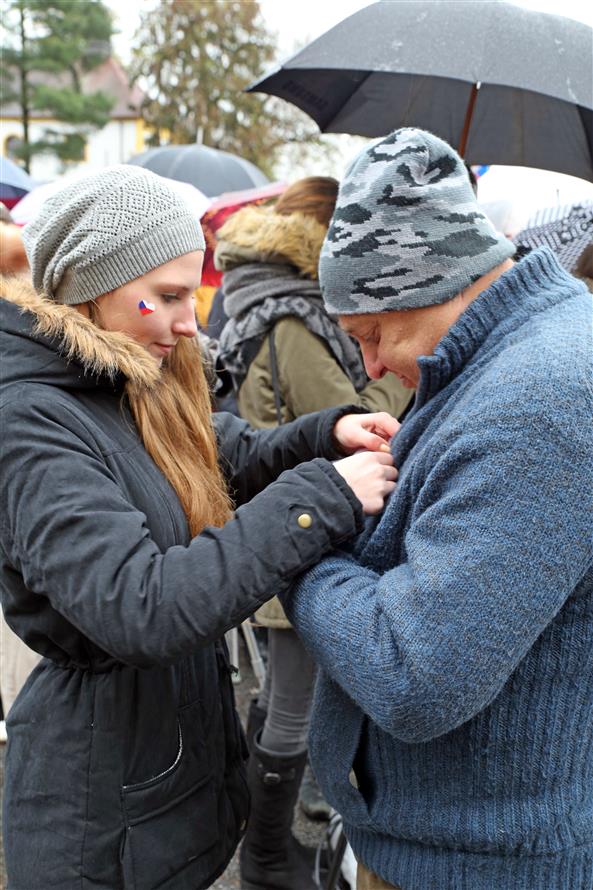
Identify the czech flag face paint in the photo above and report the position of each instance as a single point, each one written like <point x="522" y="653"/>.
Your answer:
<point x="146" y="308"/>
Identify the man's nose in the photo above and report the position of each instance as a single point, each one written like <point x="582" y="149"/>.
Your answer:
<point x="185" y="324"/>
<point x="374" y="368"/>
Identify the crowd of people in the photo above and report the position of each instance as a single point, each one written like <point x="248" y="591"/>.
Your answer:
<point x="402" y="498"/>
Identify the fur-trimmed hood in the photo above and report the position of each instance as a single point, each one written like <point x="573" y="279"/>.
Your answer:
<point x="83" y="354"/>
<point x="258" y="234"/>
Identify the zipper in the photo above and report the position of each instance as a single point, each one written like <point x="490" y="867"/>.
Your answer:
<point x="147" y="782"/>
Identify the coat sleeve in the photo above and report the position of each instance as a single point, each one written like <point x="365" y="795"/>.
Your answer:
<point x="251" y="459"/>
<point x="499" y="538"/>
<point x="311" y="378"/>
<point x="70" y="531"/>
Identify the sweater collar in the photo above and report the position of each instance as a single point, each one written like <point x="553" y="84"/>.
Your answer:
<point x="532" y="285"/>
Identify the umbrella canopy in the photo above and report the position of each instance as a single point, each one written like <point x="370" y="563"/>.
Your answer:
<point x="210" y="170"/>
<point x="503" y="84"/>
<point x="14" y="181"/>
<point x="217" y="214"/>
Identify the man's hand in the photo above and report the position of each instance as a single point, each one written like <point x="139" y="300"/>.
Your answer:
<point x="368" y="432"/>
<point x="370" y="476"/>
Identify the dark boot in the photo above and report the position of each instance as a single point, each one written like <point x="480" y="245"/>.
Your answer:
<point x="271" y="858"/>
<point x="256" y="717"/>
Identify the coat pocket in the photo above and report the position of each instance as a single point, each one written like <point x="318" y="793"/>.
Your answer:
<point x="171" y="819"/>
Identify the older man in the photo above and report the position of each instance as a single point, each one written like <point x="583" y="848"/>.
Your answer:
<point x="453" y="725"/>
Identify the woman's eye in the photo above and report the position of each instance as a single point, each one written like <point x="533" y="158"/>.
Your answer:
<point x="169" y="298"/>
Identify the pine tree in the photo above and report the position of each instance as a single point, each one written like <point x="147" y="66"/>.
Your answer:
<point x="62" y="40"/>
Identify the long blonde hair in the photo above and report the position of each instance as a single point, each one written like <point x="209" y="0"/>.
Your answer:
<point x="175" y="425"/>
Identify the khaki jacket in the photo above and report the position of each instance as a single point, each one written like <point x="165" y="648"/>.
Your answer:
<point x="310" y="378"/>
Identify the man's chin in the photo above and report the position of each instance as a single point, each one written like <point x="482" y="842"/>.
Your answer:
<point x="405" y="381"/>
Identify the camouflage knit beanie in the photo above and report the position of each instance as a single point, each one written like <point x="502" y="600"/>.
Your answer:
<point x="407" y="231"/>
<point x="106" y="229"/>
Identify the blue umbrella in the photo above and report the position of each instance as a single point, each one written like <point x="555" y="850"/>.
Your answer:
<point x="14" y="181"/>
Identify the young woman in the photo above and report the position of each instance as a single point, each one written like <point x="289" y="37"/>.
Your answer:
<point x="288" y="358"/>
<point x="122" y="562"/>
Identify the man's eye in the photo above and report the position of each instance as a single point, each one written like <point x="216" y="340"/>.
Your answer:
<point x="169" y="298"/>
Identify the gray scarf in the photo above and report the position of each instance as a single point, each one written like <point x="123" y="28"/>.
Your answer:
<point x="256" y="295"/>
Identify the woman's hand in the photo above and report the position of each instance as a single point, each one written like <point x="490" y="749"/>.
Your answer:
<point x="370" y="432"/>
<point x="370" y="476"/>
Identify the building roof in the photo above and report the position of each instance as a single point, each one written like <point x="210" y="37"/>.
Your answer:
<point x="109" y="77"/>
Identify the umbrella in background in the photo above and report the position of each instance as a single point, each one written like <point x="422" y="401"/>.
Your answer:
<point x="567" y="231"/>
<point x="14" y="182"/>
<point x="217" y="214"/>
<point x="208" y="169"/>
<point x="502" y="84"/>
<point x="28" y="208"/>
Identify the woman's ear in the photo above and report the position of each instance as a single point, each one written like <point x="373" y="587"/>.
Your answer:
<point x="12" y="250"/>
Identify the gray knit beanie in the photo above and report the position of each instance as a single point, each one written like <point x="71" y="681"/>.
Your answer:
<point x="407" y="231"/>
<point x="106" y="229"/>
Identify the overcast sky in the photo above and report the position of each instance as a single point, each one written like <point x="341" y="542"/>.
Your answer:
<point x="299" y="21"/>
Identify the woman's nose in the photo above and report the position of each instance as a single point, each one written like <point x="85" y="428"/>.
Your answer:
<point x="185" y="324"/>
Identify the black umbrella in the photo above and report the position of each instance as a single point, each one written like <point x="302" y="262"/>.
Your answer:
<point x="210" y="170"/>
<point x="503" y="84"/>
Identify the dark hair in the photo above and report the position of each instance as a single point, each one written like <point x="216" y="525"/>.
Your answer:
<point x="314" y="196"/>
<point x="584" y="265"/>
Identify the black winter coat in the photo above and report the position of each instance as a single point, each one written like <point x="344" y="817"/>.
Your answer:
<point x="124" y="766"/>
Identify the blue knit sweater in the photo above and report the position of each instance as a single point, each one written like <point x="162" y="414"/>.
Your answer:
<point x="456" y="688"/>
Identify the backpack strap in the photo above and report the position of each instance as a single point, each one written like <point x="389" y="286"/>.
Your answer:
<point x="275" y="378"/>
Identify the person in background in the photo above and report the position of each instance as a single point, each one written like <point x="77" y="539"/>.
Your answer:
<point x="123" y="562"/>
<point x="13" y="259"/>
<point x="288" y="357"/>
<point x="16" y="660"/>
<point x="5" y="214"/>
<point x="584" y="266"/>
<point x="452" y="726"/>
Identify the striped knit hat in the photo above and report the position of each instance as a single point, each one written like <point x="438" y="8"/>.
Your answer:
<point x="407" y="231"/>
<point x="106" y="229"/>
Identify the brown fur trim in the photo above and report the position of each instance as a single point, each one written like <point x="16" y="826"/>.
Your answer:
<point x="297" y="237"/>
<point x="98" y="351"/>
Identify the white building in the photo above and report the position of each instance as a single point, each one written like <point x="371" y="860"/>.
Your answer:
<point x="121" y="138"/>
